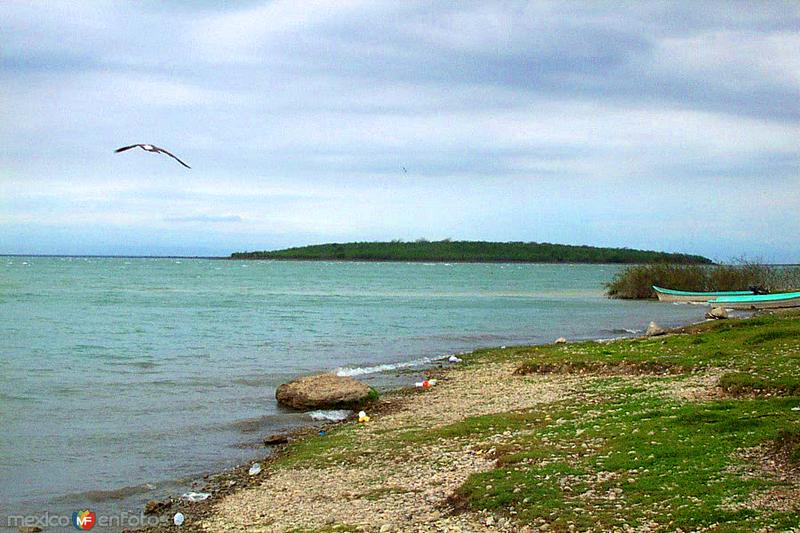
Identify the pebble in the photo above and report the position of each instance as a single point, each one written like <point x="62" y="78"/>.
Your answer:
<point x="156" y="506"/>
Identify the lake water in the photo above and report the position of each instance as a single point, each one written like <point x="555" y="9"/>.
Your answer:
<point x="124" y="379"/>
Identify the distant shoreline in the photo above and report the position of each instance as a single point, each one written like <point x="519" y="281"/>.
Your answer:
<point x="449" y="251"/>
<point x="288" y="259"/>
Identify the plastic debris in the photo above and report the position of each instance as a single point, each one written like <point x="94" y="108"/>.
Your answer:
<point x="454" y="359"/>
<point x="255" y="469"/>
<point x="795" y="408"/>
<point x="195" y="496"/>
<point x="427" y="384"/>
<point x="560" y="340"/>
<point x="362" y="417"/>
<point x="178" y="519"/>
<point x="322" y="433"/>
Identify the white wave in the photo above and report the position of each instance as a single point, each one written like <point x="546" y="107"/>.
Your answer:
<point x="334" y="415"/>
<point x="360" y="371"/>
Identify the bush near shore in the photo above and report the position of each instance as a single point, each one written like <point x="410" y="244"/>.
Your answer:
<point x="636" y="282"/>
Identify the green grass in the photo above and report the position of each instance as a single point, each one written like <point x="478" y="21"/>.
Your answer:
<point x="788" y="442"/>
<point x="632" y="460"/>
<point x="623" y="451"/>
<point x="627" y="455"/>
<point x="761" y="355"/>
<point x="337" y="446"/>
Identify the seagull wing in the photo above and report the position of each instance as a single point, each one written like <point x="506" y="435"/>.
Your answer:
<point x="118" y="150"/>
<point x="172" y="156"/>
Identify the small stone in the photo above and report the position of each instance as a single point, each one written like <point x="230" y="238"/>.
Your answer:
<point x="275" y="439"/>
<point x="489" y="521"/>
<point x="155" y="506"/>
<point x="385" y="528"/>
<point x="654" y="329"/>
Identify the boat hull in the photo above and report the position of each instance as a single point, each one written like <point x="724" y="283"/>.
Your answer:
<point x="679" y="298"/>
<point x="671" y="295"/>
<point x="760" y="301"/>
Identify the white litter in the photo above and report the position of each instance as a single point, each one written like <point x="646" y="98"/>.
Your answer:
<point x="195" y="496"/>
<point x="454" y="359"/>
<point x="255" y="469"/>
<point x="178" y="519"/>
<point x="795" y="408"/>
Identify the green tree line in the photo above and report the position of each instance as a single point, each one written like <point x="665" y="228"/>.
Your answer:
<point x="472" y="251"/>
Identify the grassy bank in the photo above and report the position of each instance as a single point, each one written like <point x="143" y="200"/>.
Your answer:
<point x="690" y="431"/>
<point x="471" y="251"/>
<point x="636" y="282"/>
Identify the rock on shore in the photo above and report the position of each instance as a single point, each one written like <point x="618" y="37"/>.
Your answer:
<point x="717" y="313"/>
<point x="654" y="329"/>
<point x="323" y="391"/>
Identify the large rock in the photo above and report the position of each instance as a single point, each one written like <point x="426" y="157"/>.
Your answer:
<point x="323" y="391"/>
<point x="654" y="329"/>
<point x="717" y="313"/>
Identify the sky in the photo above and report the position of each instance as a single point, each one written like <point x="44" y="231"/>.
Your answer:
<point x="658" y="125"/>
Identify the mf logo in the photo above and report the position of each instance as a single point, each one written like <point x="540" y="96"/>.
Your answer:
<point x="83" y="520"/>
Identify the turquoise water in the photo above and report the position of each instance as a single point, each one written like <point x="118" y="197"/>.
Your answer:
<point x="124" y="379"/>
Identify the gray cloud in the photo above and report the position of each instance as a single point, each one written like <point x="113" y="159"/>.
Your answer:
<point x="527" y="121"/>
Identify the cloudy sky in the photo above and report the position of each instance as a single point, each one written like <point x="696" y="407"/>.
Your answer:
<point x="671" y="126"/>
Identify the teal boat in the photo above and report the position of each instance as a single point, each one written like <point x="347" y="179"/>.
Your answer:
<point x="671" y="295"/>
<point x="759" y="301"/>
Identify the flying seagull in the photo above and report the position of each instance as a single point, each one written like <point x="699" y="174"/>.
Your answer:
<point x="151" y="148"/>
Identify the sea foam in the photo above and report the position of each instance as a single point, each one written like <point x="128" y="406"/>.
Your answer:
<point x="360" y="371"/>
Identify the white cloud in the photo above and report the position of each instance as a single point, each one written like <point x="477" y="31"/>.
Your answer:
<point x="242" y="35"/>
<point x="516" y="120"/>
<point x="742" y="58"/>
